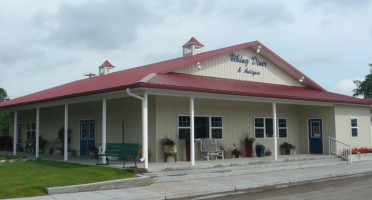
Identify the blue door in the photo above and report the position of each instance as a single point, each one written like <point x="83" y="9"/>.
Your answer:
<point x="87" y="136"/>
<point x="315" y="136"/>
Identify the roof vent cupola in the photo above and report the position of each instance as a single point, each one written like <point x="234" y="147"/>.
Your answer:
<point x="192" y="47"/>
<point x="105" y="68"/>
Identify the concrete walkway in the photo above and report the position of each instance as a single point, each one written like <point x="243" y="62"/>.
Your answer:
<point x="220" y="184"/>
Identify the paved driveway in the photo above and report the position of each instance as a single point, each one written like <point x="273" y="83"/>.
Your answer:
<point x="352" y="187"/>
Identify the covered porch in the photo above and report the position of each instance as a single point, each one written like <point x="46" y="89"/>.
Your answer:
<point x="148" y="116"/>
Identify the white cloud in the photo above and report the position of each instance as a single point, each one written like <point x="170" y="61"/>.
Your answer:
<point x="345" y="86"/>
<point x="98" y="25"/>
<point x="47" y="43"/>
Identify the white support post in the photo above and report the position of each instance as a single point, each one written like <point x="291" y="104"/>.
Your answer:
<point x="104" y="101"/>
<point x="37" y="132"/>
<point x="66" y="134"/>
<point x="15" y="133"/>
<point x="192" y="132"/>
<point x="275" y="132"/>
<point x="145" y="147"/>
<point x="350" y="154"/>
<point x="329" y="145"/>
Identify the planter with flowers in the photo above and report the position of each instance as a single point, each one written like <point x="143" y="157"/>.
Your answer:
<point x="268" y="153"/>
<point x="260" y="150"/>
<point x="249" y="145"/>
<point x="287" y="147"/>
<point x="236" y="152"/>
<point x="170" y="149"/>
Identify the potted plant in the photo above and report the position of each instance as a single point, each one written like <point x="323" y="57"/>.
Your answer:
<point x="249" y="145"/>
<point x="61" y="139"/>
<point x="260" y="150"/>
<point x="236" y="152"/>
<point x="286" y="148"/>
<point x="51" y="150"/>
<point x="169" y="148"/>
<point x="8" y="143"/>
<point x="268" y="153"/>
<point x="42" y="144"/>
<point x="92" y="151"/>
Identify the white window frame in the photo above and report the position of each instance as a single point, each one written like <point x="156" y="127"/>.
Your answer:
<point x="181" y="127"/>
<point x="31" y="130"/>
<point x="286" y="127"/>
<point x="211" y="128"/>
<point x="210" y="125"/>
<point x="264" y="128"/>
<point x="351" y="127"/>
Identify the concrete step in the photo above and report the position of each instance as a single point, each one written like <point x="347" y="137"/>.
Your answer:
<point x="223" y="171"/>
<point x="237" y="162"/>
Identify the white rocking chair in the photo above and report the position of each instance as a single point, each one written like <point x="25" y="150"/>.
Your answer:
<point x="208" y="147"/>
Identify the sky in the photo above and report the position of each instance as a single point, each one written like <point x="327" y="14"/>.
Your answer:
<point x="48" y="43"/>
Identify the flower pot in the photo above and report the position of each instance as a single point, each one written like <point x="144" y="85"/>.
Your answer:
<point x="236" y="155"/>
<point x="248" y="148"/>
<point x="166" y="148"/>
<point x="187" y="144"/>
<point x="287" y="151"/>
<point x="260" y="151"/>
<point x="171" y="159"/>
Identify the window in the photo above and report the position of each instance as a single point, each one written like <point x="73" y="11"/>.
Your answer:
<point x="92" y="130"/>
<point x="263" y="128"/>
<point x="259" y="127"/>
<point x="282" y="123"/>
<point x="216" y="127"/>
<point x="205" y="127"/>
<point x="354" y="127"/>
<point x="31" y="131"/>
<point x="184" y="127"/>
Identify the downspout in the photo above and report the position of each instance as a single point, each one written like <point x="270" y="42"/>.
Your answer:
<point x="143" y="132"/>
<point x="134" y="95"/>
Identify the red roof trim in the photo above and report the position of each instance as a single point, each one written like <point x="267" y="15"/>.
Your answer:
<point x="206" y="55"/>
<point x="131" y="78"/>
<point x="106" y="64"/>
<point x="291" y="67"/>
<point x="246" y="88"/>
<point x="219" y="52"/>
<point x="193" y="41"/>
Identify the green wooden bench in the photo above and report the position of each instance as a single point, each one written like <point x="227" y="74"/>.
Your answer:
<point x="125" y="151"/>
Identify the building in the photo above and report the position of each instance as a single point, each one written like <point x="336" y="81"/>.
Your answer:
<point x="231" y="92"/>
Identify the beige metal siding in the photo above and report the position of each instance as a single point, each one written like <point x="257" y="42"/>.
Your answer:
<point x="238" y="121"/>
<point x="223" y="67"/>
<point x="343" y="127"/>
<point x="126" y="109"/>
<point x="316" y="112"/>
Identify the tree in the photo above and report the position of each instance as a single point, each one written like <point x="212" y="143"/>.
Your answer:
<point x="4" y="117"/>
<point x="3" y="95"/>
<point x="364" y="88"/>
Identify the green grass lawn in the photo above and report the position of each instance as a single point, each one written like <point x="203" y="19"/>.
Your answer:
<point x="31" y="178"/>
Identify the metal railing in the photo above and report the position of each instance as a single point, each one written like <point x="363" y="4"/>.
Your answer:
<point x="340" y="149"/>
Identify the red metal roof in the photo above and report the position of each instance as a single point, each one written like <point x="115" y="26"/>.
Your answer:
<point x="196" y="83"/>
<point x="194" y="42"/>
<point x="106" y="64"/>
<point x="132" y="78"/>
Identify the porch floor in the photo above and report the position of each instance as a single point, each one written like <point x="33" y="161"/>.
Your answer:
<point x="180" y="165"/>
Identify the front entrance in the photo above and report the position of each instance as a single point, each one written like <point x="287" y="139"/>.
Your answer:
<point x="87" y="136"/>
<point x="315" y="136"/>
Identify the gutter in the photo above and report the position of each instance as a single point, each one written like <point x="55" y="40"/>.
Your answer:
<point x="144" y="134"/>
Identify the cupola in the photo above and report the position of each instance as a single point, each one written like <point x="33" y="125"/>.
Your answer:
<point x="105" y="68"/>
<point x="192" y="47"/>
